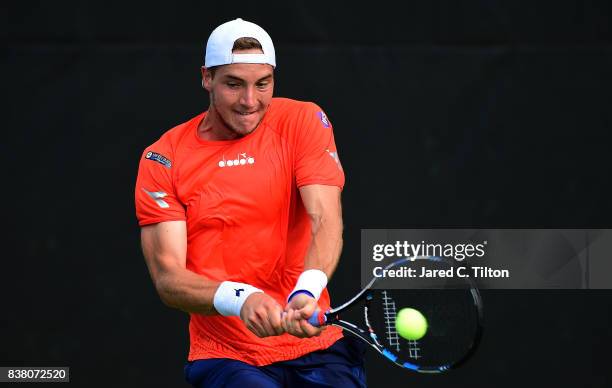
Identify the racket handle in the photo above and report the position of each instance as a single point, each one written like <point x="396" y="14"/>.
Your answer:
<point x="317" y="319"/>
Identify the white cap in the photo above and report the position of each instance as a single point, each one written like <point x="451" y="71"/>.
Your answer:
<point x="221" y="42"/>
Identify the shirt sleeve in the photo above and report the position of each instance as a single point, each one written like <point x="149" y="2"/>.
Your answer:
<point x="316" y="160"/>
<point x="155" y="195"/>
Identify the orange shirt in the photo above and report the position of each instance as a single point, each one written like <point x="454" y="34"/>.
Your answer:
<point x="245" y="219"/>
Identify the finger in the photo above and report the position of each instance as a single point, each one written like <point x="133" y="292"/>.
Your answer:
<point x="284" y="321"/>
<point x="264" y="322"/>
<point x="298" y="326"/>
<point x="294" y="325"/>
<point x="308" y="309"/>
<point x="274" y="317"/>
<point x="298" y="315"/>
<point x="254" y="328"/>
<point x="304" y="312"/>
<point x="309" y="330"/>
<point x="290" y="321"/>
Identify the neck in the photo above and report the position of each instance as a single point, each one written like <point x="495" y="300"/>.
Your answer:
<point x="213" y="127"/>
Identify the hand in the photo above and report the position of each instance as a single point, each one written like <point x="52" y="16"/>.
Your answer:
<point x="296" y="314"/>
<point x="261" y="314"/>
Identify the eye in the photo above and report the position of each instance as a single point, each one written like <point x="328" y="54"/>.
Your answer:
<point x="262" y="85"/>
<point x="233" y="85"/>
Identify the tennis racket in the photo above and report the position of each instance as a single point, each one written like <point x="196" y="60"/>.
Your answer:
<point x="453" y="311"/>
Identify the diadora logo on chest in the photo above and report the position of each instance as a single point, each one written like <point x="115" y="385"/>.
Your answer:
<point x="242" y="159"/>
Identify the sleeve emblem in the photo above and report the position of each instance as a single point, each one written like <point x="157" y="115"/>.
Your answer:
<point x="323" y="118"/>
<point x="159" y="158"/>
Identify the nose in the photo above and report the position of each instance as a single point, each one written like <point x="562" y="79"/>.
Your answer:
<point x="248" y="98"/>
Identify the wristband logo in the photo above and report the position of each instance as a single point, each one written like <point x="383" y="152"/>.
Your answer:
<point x="238" y="291"/>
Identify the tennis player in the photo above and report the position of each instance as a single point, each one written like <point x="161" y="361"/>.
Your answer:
<point x="242" y="226"/>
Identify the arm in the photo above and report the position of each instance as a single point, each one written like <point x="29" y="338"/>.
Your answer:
<point x="323" y="205"/>
<point x="165" y="250"/>
<point x="164" y="246"/>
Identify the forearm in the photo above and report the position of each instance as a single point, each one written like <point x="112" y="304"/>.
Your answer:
<point x="164" y="247"/>
<point x="185" y="290"/>
<point x="326" y="242"/>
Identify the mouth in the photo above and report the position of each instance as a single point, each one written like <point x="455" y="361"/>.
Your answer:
<point x="246" y="113"/>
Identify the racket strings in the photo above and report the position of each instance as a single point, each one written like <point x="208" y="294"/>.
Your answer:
<point x="451" y="318"/>
<point x="390" y="312"/>
<point x="413" y="349"/>
<point x="454" y="317"/>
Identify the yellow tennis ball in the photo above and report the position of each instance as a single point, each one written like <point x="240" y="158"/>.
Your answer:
<point x="410" y="324"/>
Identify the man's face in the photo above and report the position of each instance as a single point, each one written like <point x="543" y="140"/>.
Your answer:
<point x="240" y="93"/>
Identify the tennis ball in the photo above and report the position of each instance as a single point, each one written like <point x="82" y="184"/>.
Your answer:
<point x="410" y="324"/>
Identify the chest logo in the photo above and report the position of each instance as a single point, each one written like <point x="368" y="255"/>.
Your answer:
<point x="242" y="159"/>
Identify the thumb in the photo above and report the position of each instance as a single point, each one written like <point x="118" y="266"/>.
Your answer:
<point x="307" y="311"/>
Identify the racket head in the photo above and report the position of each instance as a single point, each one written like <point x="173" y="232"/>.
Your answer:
<point x="453" y="311"/>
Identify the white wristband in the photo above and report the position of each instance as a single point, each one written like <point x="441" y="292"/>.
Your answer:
<point x="230" y="296"/>
<point x="313" y="281"/>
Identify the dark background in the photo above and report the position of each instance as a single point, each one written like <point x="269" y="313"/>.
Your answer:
<point x="446" y="114"/>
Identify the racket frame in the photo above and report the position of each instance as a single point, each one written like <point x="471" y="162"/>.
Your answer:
<point x="332" y="317"/>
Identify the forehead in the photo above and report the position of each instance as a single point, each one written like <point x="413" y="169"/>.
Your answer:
<point x="245" y="71"/>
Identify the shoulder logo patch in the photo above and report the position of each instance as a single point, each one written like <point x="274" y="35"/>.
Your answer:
<point x="159" y="158"/>
<point x="323" y="118"/>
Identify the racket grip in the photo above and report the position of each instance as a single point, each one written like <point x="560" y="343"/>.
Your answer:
<point x="317" y="319"/>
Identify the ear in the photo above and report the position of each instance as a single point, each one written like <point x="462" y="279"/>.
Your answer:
<point x="206" y="78"/>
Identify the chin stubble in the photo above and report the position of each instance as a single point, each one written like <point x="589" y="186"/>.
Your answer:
<point x="227" y="125"/>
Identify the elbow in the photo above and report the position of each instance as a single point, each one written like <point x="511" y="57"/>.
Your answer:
<point x="316" y="220"/>
<point x="162" y="286"/>
<point x="166" y="301"/>
<point x="327" y="222"/>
